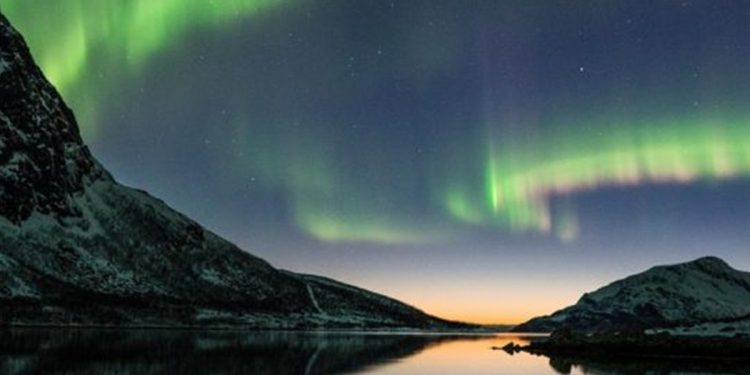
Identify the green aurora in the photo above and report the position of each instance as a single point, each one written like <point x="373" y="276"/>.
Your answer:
<point x="69" y="37"/>
<point x="518" y="186"/>
<point x="518" y="178"/>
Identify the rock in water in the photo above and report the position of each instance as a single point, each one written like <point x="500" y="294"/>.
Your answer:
<point x="511" y="348"/>
<point x="76" y="247"/>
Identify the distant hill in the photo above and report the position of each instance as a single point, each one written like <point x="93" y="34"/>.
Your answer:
<point x="77" y="248"/>
<point x="696" y="293"/>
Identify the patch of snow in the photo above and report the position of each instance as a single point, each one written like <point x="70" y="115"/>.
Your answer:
<point x="12" y="285"/>
<point x="212" y="276"/>
<point x="312" y="298"/>
<point x="4" y="66"/>
<point x="37" y="222"/>
<point x="710" y="329"/>
<point x="207" y="314"/>
<point x="89" y="203"/>
<point x="12" y="167"/>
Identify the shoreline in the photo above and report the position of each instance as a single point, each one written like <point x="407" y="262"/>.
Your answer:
<point x="239" y="328"/>
<point x="639" y="345"/>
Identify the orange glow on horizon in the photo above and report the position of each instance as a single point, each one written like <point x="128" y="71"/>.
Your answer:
<point x="481" y="299"/>
<point x="484" y="307"/>
<point x="479" y="315"/>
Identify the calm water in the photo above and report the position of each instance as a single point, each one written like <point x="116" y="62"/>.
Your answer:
<point x="32" y="351"/>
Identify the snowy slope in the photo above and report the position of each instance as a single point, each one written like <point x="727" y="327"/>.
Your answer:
<point x="704" y="290"/>
<point x="730" y="328"/>
<point x="76" y="247"/>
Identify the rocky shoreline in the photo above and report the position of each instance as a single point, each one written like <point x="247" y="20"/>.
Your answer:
<point x="565" y="342"/>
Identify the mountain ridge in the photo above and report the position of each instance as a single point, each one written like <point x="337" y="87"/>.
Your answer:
<point x="704" y="290"/>
<point x="78" y="248"/>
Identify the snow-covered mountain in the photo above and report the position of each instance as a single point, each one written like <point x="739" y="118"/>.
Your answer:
<point x="694" y="293"/>
<point x="76" y="247"/>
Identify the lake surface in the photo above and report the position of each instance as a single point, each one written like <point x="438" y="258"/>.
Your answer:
<point x="62" y="351"/>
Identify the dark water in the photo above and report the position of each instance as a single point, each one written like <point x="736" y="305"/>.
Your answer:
<point x="35" y="351"/>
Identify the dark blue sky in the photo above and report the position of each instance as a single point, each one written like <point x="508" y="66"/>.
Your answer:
<point x="483" y="160"/>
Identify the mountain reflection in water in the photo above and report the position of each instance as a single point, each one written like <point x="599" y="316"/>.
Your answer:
<point x="32" y="351"/>
<point x="102" y="351"/>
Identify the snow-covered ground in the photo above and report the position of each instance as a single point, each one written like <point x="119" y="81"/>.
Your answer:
<point x="723" y="329"/>
<point x="705" y="289"/>
<point x="687" y="294"/>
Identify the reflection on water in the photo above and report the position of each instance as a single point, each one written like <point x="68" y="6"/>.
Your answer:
<point x="35" y="351"/>
<point x="627" y="366"/>
<point x="57" y="351"/>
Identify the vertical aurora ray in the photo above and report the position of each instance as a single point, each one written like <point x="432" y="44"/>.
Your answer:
<point x="81" y="44"/>
<point x="322" y="201"/>
<point x="520" y="186"/>
<point x="70" y="37"/>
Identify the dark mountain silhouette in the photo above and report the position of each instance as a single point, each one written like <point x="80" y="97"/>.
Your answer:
<point x="701" y="292"/>
<point x="76" y="247"/>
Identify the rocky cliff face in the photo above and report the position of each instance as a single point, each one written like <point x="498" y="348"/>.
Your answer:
<point x="693" y="293"/>
<point x="78" y="248"/>
<point x="43" y="160"/>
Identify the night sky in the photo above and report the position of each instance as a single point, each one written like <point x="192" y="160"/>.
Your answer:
<point x="482" y="160"/>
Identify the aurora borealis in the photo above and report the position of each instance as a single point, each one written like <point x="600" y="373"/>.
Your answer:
<point x="431" y="150"/>
<point x="678" y="151"/>
<point x="74" y="36"/>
